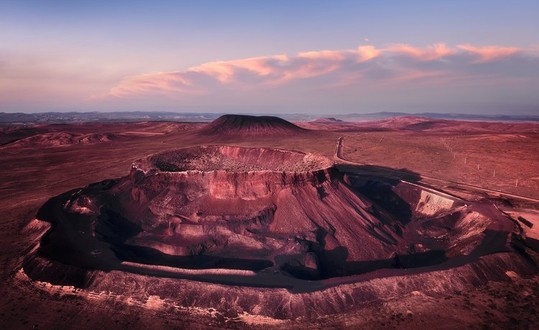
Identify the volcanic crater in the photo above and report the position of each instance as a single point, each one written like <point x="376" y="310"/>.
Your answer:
<point x="281" y="223"/>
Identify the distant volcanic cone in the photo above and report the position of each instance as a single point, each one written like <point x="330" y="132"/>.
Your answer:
<point x="230" y="126"/>
<point x="268" y="227"/>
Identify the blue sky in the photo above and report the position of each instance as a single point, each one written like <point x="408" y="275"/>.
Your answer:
<point x="248" y="56"/>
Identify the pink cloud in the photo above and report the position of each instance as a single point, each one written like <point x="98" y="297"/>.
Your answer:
<point x="367" y="53"/>
<point x="429" y="53"/>
<point x="330" y="55"/>
<point x="153" y="83"/>
<point x="224" y="71"/>
<point x="364" y="64"/>
<point x="489" y="53"/>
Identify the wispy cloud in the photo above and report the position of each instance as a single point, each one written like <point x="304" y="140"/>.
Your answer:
<point x="489" y="53"/>
<point x="365" y="64"/>
<point x="429" y="53"/>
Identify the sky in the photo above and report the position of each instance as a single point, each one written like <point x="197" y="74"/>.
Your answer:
<point x="296" y="56"/>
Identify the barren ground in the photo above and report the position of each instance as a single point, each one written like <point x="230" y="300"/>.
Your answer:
<point x="33" y="172"/>
<point x="505" y="162"/>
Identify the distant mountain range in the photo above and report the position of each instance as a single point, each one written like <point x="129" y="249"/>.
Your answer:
<point x="455" y="116"/>
<point x="74" y="117"/>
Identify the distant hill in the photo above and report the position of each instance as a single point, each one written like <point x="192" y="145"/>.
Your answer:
<point x="327" y="120"/>
<point x="56" y="139"/>
<point x="244" y="125"/>
<point x="82" y="117"/>
<point x="452" y="116"/>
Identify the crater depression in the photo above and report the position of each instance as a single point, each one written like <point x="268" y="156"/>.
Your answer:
<point x="266" y="225"/>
